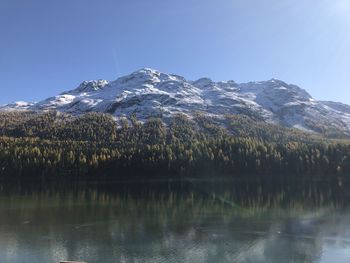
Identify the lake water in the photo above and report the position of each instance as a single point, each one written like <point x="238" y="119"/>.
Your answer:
<point x="174" y="221"/>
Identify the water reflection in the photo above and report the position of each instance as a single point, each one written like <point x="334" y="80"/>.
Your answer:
<point x="178" y="221"/>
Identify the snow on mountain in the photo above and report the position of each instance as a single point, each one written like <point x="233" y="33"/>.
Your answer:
<point x="148" y="93"/>
<point x="18" y="105"/>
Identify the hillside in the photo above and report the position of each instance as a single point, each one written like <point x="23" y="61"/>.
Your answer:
<point x="54" y="144"/>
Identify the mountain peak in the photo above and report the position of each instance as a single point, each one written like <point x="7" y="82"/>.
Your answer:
<point x="149" y="92"/>
<point x="149" y="71"/>
<point x="202" y="82"/>
<point x="145" y="72"/>
<point x="91" y="85"/>
<point x="299" y="91"/>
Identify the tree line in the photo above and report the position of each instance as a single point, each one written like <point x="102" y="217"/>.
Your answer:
<point x="53" y="144"/>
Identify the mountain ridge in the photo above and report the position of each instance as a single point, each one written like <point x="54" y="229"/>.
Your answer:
<point x="151" y="93"/>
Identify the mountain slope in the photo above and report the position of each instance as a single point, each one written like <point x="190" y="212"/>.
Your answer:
<point x="149" y="93"/>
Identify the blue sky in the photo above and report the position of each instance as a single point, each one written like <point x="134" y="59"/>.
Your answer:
<point x="49" y="46"/>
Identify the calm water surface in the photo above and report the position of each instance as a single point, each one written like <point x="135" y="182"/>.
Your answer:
<point x="177" y="221"/>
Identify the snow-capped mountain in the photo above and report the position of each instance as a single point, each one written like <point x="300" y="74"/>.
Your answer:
<point x="149" y="93"/>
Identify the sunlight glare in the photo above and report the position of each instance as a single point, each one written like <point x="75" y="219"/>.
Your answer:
<point x="341" y="8"/>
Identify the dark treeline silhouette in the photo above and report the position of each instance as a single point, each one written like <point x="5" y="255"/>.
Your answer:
<point x="54" y="144"/>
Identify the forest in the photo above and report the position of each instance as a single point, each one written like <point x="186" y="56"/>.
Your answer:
<point x="53" y="144"/>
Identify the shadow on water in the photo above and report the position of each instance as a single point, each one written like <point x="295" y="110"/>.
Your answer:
<point x="174" y="221"/>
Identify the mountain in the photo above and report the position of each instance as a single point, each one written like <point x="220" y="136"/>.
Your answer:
<point x="151" y="93"/>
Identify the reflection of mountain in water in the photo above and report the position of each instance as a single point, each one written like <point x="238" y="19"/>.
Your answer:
<point x="184" y="221"/>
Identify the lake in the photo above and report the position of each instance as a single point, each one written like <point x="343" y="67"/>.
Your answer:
<point x="175" y="221"/>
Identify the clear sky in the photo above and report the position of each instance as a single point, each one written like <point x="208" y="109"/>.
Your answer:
<point x="48" y="46"/>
